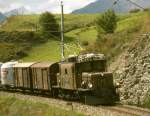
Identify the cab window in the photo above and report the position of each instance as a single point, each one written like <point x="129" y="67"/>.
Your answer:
<point x="86" y="66"/>
<point x="99" y="66"/>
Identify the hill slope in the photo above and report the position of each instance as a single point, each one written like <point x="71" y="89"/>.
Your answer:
<point x="18" y="11"/>
<point x="76" y="35"/>
<point x="103" y="5"/>
<point x="2" y="17"/>
<point x="49" y="50"/>
<point x="30" y="22"/>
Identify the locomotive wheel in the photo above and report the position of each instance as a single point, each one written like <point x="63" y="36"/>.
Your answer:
<point x="68" y="95"/>
<point x="83" y="95"/>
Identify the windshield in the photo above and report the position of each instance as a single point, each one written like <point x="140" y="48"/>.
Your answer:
<point x="99" y="65"/>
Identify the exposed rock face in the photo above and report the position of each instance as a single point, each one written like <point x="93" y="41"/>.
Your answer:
<point x="133" y="74"/>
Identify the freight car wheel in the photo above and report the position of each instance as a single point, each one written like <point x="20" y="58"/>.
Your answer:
<point x="55" y="92"/>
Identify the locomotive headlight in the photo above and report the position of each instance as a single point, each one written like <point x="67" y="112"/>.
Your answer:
<point x="90" y="85"/>
<point x="83" y="83"/>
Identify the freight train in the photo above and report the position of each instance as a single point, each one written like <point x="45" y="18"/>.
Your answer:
<point x="82" y="77"/>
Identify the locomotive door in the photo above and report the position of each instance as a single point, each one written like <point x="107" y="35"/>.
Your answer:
<point x="68" y="76"/>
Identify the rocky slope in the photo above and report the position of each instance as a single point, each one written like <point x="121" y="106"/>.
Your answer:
<point x="133" y="72"/>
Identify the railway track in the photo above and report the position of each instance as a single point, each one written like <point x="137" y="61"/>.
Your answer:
<point x="130" y="110"/>
<point x="118" y="110"/>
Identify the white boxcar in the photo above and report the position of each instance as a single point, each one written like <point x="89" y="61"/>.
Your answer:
<point x="7" y="73"/>
<point x="0" y="71"/>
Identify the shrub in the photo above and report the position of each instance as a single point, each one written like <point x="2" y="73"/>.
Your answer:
<point x="21" y="37"/>
<point x="146" y="102"/>
<point x="107" y="21"/>
<point x="49" y="24"/>
<point x="15" y="45"/>
<point x="146" y="9"/>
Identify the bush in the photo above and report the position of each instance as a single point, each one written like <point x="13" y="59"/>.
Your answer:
<point x="146" y="9"/>
<point x="49" y="25"/>
<point x="146" y="102"/>
<point x="21" y="37"/>
<point x="107" y="21"/>
<point x="111" y="44"/>
<point x="15" y="45"/>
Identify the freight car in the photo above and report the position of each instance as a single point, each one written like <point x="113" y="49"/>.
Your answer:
<point x="82" y="77"/>
<point x="43" y="76"/>
<point x="22" y="75"/>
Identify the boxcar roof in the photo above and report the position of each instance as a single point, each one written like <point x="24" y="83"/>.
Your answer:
<point x="24" y="65"/>
<point x="42" y="64"/>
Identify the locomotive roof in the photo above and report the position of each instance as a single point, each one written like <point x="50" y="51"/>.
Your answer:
<point x="24" y="65"/>
<point x="86" y="57"/>
<point x="42" y="64"/>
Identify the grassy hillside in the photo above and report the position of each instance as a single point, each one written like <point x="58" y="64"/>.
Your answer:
<point x="80" y="34"/>
<point x="30" y="22"/>
<point x="128" y="26"/>
<point x="73" y="45"/>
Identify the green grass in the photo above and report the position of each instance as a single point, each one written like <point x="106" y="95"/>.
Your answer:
<point x="11" y="106"/>
<point x="51" y="49"/>
<point x="48" y="51"/>
<point x="21" y="23"/>
<point x="131" y="23"/>
<point x="84" y="34"/>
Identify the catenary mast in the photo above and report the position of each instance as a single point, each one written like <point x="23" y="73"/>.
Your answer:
<point x="62" y="32"/>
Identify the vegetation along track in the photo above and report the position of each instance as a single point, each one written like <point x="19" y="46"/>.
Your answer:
<point x="118" y="110"/>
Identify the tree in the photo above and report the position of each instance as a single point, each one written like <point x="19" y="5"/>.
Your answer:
<point x="49" y="24"/>
<point x="107" y="21"/>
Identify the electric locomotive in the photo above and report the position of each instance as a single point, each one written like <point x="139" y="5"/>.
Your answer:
<point x="85" y="77"/>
